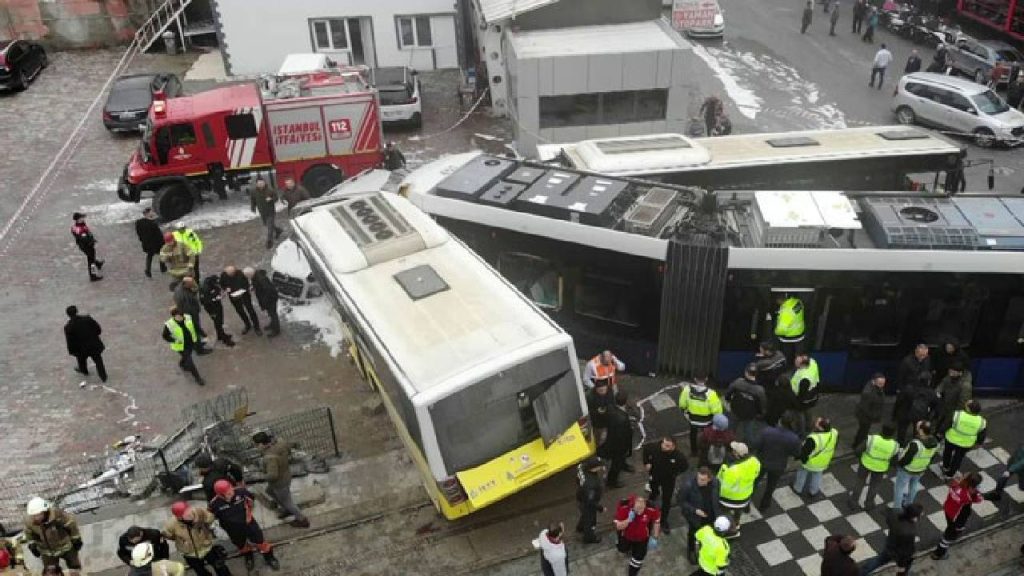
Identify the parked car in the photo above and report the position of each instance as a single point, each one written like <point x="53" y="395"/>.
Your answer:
<point x="985" y="60"/>
<point x="131" y="96"/>
<point x="698" y="18"/>
<point x="20" y="62"/>
<point x="399" y="90"/>
<point x="958" y="105"/>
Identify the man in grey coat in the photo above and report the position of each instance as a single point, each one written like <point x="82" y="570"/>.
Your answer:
<point x="186" y="299"/>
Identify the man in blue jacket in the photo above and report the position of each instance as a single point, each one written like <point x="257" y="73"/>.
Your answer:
<point x="699" y="502"/>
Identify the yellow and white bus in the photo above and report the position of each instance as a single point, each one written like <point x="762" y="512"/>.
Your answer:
<point x="483" y="387"/>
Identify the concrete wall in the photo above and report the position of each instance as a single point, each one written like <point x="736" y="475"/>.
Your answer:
<point x="256" y="35"/>
<point x="565" y="13"/>
<point x="531" y="78"/>
<point x="73" y="23"/>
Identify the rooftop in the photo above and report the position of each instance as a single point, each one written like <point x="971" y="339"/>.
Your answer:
<point x="605" y="39"/>
<point x="496" y="10"/>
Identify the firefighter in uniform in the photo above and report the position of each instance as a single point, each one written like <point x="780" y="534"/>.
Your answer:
<point x="144" y="563"/>
<point x="816" y="454"/>
<point x="191" y="532"/>
<point x="604" y="366"/>
<point x="588" y="496"/>
<point x="914" y="459"/>
<point x="713" y="556"/>
<point x="789" y="325"/>
<point x="966" y="432"/>
<point x="878" y="453"/>
<point x="804" y="385"/>
<point x="52" y="534"/>
<point x="233" y="508"/>
<point x="700" y="403"/>
<point x="737" y="478"/>
<point x="192" y="241"/>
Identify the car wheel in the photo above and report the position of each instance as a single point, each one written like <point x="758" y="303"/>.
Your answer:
<point x="321" y="178"/>
<point x="22" y="81"/>
<point x="905" y="115"/>
<point x="172" y="201"/>
<point x="979" y="76"/>
<point x="44" y="62"/>
<point x="984" y="138"/>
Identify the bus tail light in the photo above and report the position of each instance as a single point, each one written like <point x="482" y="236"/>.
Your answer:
<point x="588" y="431"/>
<point x="452" y="490"/>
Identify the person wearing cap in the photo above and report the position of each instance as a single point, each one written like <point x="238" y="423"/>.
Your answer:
<point x="190" y="530"/>
<point x="869" y="407"/>
<point x="86" y="242"/>
<point x="239" y="292"/>
<point x="233" y="508"/>
<point x="714" y="441"/>
<point x="698" y="500"/>
<point x="737" y="478"/>
<point x="214" y="469"/>
<point x="151" y="238"/>
<point x="747" y="402"/>
<point x="775" y="446"/>
<point x="663" y="463"/>
<point x="600" y="401"/>
<point x="954" y="390"/>
<point x="180" y="261"/>
<point x="277" y="461"/>
<point x="815" y="456"/>
<point x="52" y="535"/>
<point x="618" y="445"/>
<point x="180" y="332"/>
<point x="605" y="366"/>
<point x="190" y="239"/>
<point x="588" y="497"/>
<point x="700" y="404"/>
<point x="899" y="541"/>
<point x="876" y="456"/>
<point x="136" y="535"/>
<point x="639" y="527"/>
<point x="836" y="560"/>
<point x="967" y="431"/>
<point x="713" y="548"/>
<point x="144" y="562"/>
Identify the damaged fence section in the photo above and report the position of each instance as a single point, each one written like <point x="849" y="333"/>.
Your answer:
<point x="135" y="467"/>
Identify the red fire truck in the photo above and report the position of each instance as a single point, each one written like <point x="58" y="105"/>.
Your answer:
<point x="318" y="129"/>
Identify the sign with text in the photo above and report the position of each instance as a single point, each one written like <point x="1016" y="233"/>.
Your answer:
<point x="694" y="14"/>
<point x="340" y="128"/>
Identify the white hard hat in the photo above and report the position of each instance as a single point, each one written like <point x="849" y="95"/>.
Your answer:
<point x="37" y="506"/>
<point x="722" y="524"/>
<point x="142" y="554"/>
<point x="180" y="225"/>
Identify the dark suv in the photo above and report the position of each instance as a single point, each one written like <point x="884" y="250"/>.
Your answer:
<point x="20" y="62"/>
<point x="131" y="96"/>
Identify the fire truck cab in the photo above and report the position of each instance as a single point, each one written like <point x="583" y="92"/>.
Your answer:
<point x="317" y="129"/>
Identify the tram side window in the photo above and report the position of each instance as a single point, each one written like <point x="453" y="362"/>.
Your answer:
<point x="878" y="319"/>
<point x="535" y="277"/>
<point x="1010" y="333"/>
<point x="607" y="298"/>
<point x="952" y="313"/>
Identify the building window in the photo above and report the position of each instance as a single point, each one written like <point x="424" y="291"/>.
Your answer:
<point x="330" y="34"/>
<point x="603" y="108"/>
<point x="414" y="31"/>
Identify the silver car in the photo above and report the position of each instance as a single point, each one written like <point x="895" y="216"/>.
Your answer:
<point x="958" y="105"/>
<point x="986" y="61"/>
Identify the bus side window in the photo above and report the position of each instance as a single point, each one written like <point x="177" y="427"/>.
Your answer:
<point x="607" y="298"/>
<point x="536" y="277"/>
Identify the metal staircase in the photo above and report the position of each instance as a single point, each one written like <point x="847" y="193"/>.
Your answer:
<point x="168" y="12"/>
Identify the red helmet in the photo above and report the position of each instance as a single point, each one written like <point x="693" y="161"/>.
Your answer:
<point x="168" y="238"/>
<point x="221" y="487"/>
<point x="179" y="509"/>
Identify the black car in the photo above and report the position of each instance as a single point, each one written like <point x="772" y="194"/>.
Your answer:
<point x="130" y="97"/>
<point x="20" y="62"/>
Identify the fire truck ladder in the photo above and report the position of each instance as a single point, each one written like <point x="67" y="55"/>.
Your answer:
<point x="169" y="11"/>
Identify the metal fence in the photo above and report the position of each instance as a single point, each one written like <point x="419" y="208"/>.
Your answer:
<point x="217" y="426"/>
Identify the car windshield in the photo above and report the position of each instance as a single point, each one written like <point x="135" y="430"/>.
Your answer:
<point x="391" y="95"/>
<point x="1008" y="55"/>
<point x="133" y="99"/>
<point x="989" y="103"/>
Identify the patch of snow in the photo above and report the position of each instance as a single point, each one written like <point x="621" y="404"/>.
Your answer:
<point x="746" y="101"/>
<point x="289" y="260"/>
<point x="322" y="316"/>
<point x="219" y="213"/>
<point x="113" y="213"/>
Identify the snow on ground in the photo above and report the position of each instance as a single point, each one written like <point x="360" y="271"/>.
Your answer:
<point x="289" y="260"/>
<point x="321" y="315"/>
<point x="212" y="214"/>
<point x="747" y="102"/>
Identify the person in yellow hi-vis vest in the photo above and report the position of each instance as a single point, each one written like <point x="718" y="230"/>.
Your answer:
<point x="967" y="431"/>
<point x="876" y="455"/>
<point x="700" y="403"/>
<point x="789" y="325"/>
<point x="737" y="478"/>
<point x="815" y="454"/>
<point x="803" y="383"/>
<point x="713" y="556"/>
<point x="180" y="332"/>
<point x="191" y="240"/>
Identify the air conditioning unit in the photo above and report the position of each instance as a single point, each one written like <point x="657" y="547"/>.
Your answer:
<point x="798" y="218"/>
<point x="918" y="224"/>
<point x="651" y="212"/>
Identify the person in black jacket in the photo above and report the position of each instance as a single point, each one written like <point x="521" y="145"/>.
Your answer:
<point x="949" y="355"/>
<point x="663" y="463"/>
<point x="136" y="535"/>
<point x="213" y="469"/>
<point x="266" y="296"/>
<point x="600" y="401"/>
<point x="771" y="364"/>
<point x="747" y="402"/>
<point x="916" y="401"/>
<point x="912" y="367"/>
<point x="869" y="407"/>
<point x="86" y="242"/>
<point x="152" y="239"/>
<point x="588" y="496"/>
<point x="263" y="198"/>
<point x="82" y="335"/>
<point x="210" y="296"/>
<point x="774" y="447"/>
<point x="698" y="500"/>
<point x="899" y="542"/>
<point x="619" y="444"/>
<point x="239" y="293"/>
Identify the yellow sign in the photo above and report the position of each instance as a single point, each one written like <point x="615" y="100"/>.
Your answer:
<point x="515" y="470"/>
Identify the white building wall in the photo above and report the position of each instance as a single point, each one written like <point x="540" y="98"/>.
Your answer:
<point x="256" y="35"/>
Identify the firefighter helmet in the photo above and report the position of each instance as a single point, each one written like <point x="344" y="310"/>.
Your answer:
<point x="179" y="509"/>
<point x="37" y="506"/>
<point x="221" y="487"/>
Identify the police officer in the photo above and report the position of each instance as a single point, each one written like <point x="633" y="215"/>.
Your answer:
<point x="815" y="455"/>
<point x="180" y="332"/>
<point x="618" y="445"/>
<point x="192" y="241"/>
<point x="737" y="478"/>
<point x="804" y="386"/>
<point x="967" y="431"/>
<point x="713" y="557"/>
<point x="588" y="497"/>
<point x="700" y="403"/>
<point x="663" y="463"/>
<point x="600" y="400"/>
<point x="913" y="461"/>
<point x="233" y="508"/>
<point x="876" y="455"/>
<point x="789" y="324"/>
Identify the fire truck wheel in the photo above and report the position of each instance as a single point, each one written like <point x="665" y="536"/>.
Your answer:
<point x="321" y="178"/>
<point x="172" y="201"/>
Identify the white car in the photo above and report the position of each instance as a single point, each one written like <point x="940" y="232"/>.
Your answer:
<point x="958" y="105"/>
<point x="399" y="90"/>
<point x="698" y="18"/>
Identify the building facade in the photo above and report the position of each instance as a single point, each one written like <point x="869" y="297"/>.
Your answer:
<point x="256" y="35"/>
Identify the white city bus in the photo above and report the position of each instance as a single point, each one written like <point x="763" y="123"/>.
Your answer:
<point x="483" y="387"/>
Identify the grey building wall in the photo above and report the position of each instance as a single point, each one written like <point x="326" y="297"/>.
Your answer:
<point x="565" y="13"/>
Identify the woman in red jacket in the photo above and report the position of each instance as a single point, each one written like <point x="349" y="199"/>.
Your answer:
<point x="963" y="491"/>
